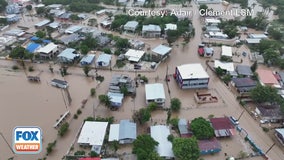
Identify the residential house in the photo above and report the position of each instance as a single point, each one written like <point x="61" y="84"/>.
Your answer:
<point x="93" y="134"/>
<point x="160" y="134"/>
<point x="101" y="12"/>
<point x="66" y="39"/>
<point x="48" y="51"/>
<point x="54" y="25"/>
<point x="183" y="128"/>
<point x="103" y="60"/>
<point x="122" y="2"/>
<point x="227" y="51"/>
<point x="252" y="41"/>
<point x="73" y="29"/>
<point x="212" y="29"/>
<point x="106" y="23"/>
<point x="7" y="40"/>
<point x="191" y="76"/>
<point x="103" y="40"/>
<point x="267" y="78"/>
<point x="151" y="31"/>
<point x="116" y="99"/>
<point x="13" y="8"/>
<point x="54" y="6"/>
<point x="269" y="112"/>
<point x="118" y="81"/>
<point x="208" y="1"/>
<point x="87" y="59"/>
<point x="279" y="133"/>
<point x="256" y="57"/>
<point x="162" y="51"/>
<point x="15" y="32"/>
<point x="134" y="55"/>
<point x="257" y="36"/>
<point x="64" y="16"/>
<point x="69" y="55"/>
<point x="227" y="66"/>
<point x="12" y="18"/>
<point x="131" y="26"/>
<point x="136" y="44"/>
<point x="140" y="2"/>
<point x="244" y="70"/>
<point x="218" y="35"/>
<point x="155" y="93"/>
<point x="281" y="75"/>
<point x="209" y="146"/>
<point x="243" y="85"/>
<point x="42" y="24"/>
<point x="125" y="132"/>
<point x="57" y="12"/>
<point x="170" y="26"/>
<point x="33" y="47"/>
<point x="212" y="22"/>
<point x="222" y="127"/>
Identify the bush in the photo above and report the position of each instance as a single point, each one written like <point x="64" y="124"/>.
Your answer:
<point x="15" y="67"/>
<point x="144" y="78"/>
<point x="75" y="116"/>
<point x="63" y="129"/>
<point x="152" y="106"/>
<point x="79" y="111"/>
<point x="93" y="154"/>
<point x="93" y="92"/>
<point x="120" y="63"/>
<point x="100" y="78"/>
<point x="265" y="129"/>
<point x="175" y="104"/>
<point x="31" y="68"/>
<point x="79" y="153"/>
<point x="50" y="146"/>
<point x="171" y="138"/>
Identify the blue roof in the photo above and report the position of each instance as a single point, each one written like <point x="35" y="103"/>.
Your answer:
<point x="32" y="47"/>
<point x="46" y="41"/>
<point x="34" y="38"/>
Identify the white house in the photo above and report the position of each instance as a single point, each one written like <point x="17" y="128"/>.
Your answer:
<point x="42" y="23"/>
<point x="54" y="25"/>
<point x="115" y="99"/>
<point x="212" y="22"/>
<point x="87" y="59"/>
<point x="131" y="26"/>
<point x="208" y="1"/>
<point x="103" y="60"/>
<point x="227" y="66"/>
<point x="162" y="50"/>
<point x="151" y="31"/>
<point x="93" y="134"/>
<point x="257" y="36"/>
<point x="68" y="55"/>
<point x="134" y="55"/>
<point x="125" y="132"/>
<point x="218" y="35"/>
<point x="227" y="51"/>
<point x="191" y="76"/>
<point x="160" y="134"/>
<point x="155" y="93"/>
<point x="73" y="29"/>
<point x="48" y="51"/>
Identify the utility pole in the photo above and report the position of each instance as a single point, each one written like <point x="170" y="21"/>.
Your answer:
<point x="270" y="148"/>
<point x="7" y="142"/>
<point x="241" y="115"/>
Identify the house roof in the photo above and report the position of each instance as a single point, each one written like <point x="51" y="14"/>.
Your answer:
<point x="222" y="127"/>
<point x="93" y="133"/>
<point x="183" y="126"/>
<point x="15" y="32"/>
<point x="212" y="29"/>
<point x="190" y="71"/>
<point x="103" y="40"/>
<point x="104" y="58"/>
<point x="253" y="41"/>
<point x="228" y="66"/>
<point x="280" y="131"/>
<point x="227" y="51"/>
<point x="113" y="133"/>
<point x="171" y="26"/>
<point x="70" y="38"/>
<point x="244" y="70"/>
<point x="32" y="47"/>
<point x="131" y="24"/>
<point x="42" y="23"/>
<point x="115" y="98"/>
<point x="281" y="74"/>
<point x="162" y="50"/>
<point x="68" y="53"/>
<point x="257" y="36"/>
<point x="134" y="55"/>
<point x="48" y="48"/>
<point x="160" y="134"/>
<point x="266" y="77"/>
<point x="127" y="130"/>
<point x="209" y="146"/>
<point x="151" y="28"/>
<point x="154" y="91"/>
<point x="73" y="29"/>
<point x="211" y="20"/>
<point x="218" y="34"/>
<point x="244" y="82"/>
<point x="88" y="59"/>
<point x="270" y="110"/>
<point x="54" y="25"/>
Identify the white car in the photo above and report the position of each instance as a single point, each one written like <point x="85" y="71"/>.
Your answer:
<point x="263" y="121"/>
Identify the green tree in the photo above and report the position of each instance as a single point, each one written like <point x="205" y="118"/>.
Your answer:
<point x="105" y="99"/>
<point x="93" y="91"/>
<point x="20" y="53"/>
<point x="172" y="36"/>
<point x="152" y="106"/>
<point x="29" y="7"/>
<point x="123" y="89"/>
<point x="253" y="66"/>
<point x="219" y="71"/>
<point x="114" y="145"/>
<point x="263" y="94"/>
<point x="175" y="104"/>
<point x="201" y="128"/>
<point x="144" y="147"/>
<point x="231" y="31"/>
<point x="3" y="4"/>
<point x="84" y="49"/>
<point x="40" y="10"/>
<point x="186" y="148"/>
<point x="227" y="78"/>
<point x="40" y="34"/>
<point x="265" y="44"/>
<point x="63" y="129"/>
<point x="86" y="70"/>
<point x="174" y="122"/>
<point x="142" y="115"/>
<point x="122" y="43"/>
<point x="74" y="17"/>
<point x="271" y="56"/>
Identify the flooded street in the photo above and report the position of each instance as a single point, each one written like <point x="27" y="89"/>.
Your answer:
<point x="25" y="103"/>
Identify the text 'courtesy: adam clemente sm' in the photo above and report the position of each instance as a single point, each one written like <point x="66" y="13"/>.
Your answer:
<point x="188" y="13"/>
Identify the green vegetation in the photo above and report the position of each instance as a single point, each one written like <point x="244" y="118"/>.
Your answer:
<point x="120" y="63"/>
<point x="265" y="129"/>
<point x="50" y="146"/>
<point x="86" y="70"/>
<point x="186" y="148"/>
<point x="261" y="94"/>
<point x="79" y="153"/>
<point x="144" y="148"/>
<point x="93" y="92"/>
<point x="171" y="138"/>
<point x="201" y="128"/>
<point x="152" y="106"/>
<point x="15" y="67"/>
<point x="20" y="53"/>
<point x="40" y="34"/>
<point x="93" y="154"/>
<point x="142" y="115"/>
<point x="174" y="123"/>
<point x="63" y="129"/>
<point x="144" y="78"/>
<point x="31" y="69"/>
<point x="175" y="104"/>
<point x="3" y="4"/>
<point x="105" y="99"/>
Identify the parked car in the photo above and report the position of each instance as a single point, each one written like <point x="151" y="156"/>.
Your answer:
<point x="234" y="120"/>
<point x="263" y="121"/>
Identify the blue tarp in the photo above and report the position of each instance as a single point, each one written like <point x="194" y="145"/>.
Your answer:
<point x="34" y="38"/>
<point x="32" y="47"/>
<point x="46" y="41"/>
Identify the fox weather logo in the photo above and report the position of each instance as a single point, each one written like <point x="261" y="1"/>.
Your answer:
<point x="27" y="140"/>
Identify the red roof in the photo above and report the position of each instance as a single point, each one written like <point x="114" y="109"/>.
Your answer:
<point x="89" y="158"/>
<point x="267" y="77"/>
<point x="221" y="123"/>
<point x="200" y="51"/>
